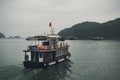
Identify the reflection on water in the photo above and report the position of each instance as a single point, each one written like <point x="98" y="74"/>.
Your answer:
<point x="56" y="72"/>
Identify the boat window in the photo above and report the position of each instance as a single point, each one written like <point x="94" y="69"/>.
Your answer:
<point x="57" y="54"/>
<point x="46" y="43"/>
<point x="40" y="54"/>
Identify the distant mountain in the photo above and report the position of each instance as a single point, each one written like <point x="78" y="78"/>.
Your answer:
<point x="2" y="35"/>
<point x="89" y="30"/>
<point x="14" y="37"/>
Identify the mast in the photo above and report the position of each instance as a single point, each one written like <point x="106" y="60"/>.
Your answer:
<point x="52" y="29"/>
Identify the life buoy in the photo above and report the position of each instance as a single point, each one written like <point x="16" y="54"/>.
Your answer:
<point x="42" y="47"/>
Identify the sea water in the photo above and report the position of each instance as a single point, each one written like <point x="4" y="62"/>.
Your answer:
<point x="90" y="60"/>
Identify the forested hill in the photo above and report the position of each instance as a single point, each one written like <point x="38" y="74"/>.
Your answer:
<point x="2" y="35"/>
<point x="89" y="30"/>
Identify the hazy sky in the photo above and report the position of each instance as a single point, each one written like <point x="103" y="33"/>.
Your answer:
<point x="31" y="17"/>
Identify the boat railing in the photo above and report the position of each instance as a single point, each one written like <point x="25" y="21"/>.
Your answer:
<point x="49" y="47"/>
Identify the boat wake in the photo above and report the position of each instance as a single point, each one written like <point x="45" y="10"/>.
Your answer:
<point x="18" y="72"/>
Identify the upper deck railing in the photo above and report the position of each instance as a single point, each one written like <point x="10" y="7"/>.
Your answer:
<point x="42" y="48"/>
<point x="49" y="42"/>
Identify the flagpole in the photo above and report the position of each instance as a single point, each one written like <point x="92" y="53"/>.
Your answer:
<point x="50" y="25"/>
<point x="52" y="31"/>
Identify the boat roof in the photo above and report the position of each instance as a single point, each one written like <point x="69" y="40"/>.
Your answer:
<point x="36" y="38"/>
<point x="53" y="36"/>
<point x="45" y="37"/>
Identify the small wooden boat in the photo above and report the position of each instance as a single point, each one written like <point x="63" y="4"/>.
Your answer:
<point x="47" y="50"/>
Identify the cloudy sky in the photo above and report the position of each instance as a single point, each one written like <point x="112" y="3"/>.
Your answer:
<point x="31" y="17"/>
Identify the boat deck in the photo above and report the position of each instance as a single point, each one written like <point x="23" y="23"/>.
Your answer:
<point x="47" y="50"/>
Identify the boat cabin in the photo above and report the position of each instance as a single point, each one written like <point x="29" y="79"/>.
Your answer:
<point x="45" y="50"/>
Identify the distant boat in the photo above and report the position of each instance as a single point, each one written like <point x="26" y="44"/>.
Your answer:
<point x="47" y="50"/>
<point x="98" y="38"/>
<point x="14" y="37"/>
<point x="72" y="38"/>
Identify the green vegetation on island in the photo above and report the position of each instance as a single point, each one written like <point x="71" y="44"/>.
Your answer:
<point x="2" y="35"/>
<point x="91" y="30"/>
<point x="10" y="37"/>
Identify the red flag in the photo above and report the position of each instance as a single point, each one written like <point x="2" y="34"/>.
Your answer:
<point x="50" y="24"/>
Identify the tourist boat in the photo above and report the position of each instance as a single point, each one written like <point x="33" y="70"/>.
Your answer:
<point x="46" y="50"/>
